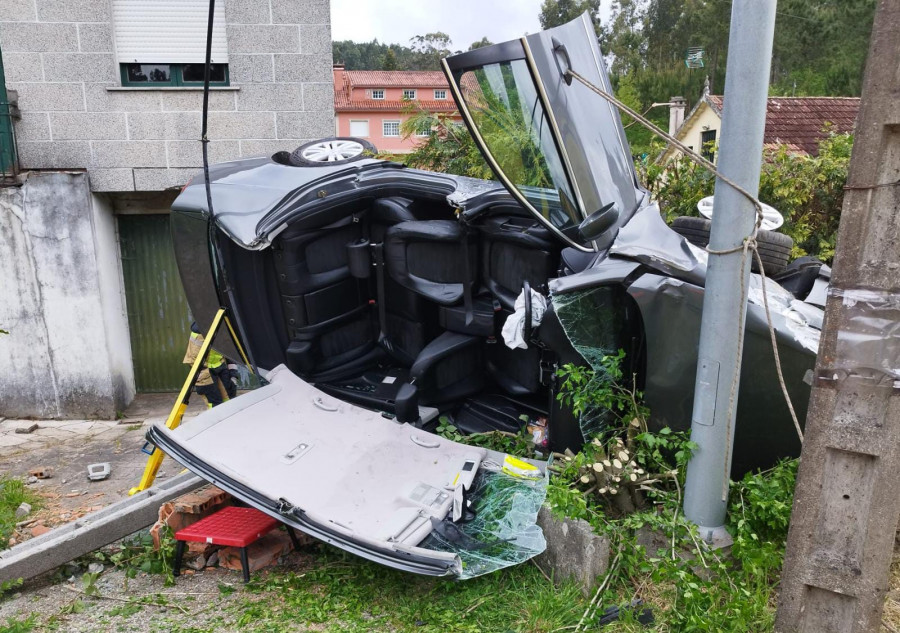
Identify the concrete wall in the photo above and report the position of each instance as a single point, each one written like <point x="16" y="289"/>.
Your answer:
<point x="66" y="354"/>
<point x="60" y="57"/>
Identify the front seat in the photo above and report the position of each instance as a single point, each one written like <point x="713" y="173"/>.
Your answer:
<point x="437" y="260"/>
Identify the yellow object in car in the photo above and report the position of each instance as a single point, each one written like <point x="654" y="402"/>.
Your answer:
<point x="518" y="468"/>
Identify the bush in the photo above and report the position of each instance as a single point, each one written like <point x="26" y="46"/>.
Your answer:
<point x="807" y="190"/>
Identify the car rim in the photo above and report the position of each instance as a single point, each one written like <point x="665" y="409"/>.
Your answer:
<point x="330" y="151"/>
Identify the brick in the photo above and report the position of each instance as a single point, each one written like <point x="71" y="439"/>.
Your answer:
<point x="22" y="67"/>
<point x="152" y="179"/>
<point x="73" y="10"/>
<point x="164" y="125"/>
<point x="251" y="148"/>
<point x="99" y="99"/>
<point x="264" y="552"/>
<point x="33" y="126"/>
<point x="17" y="11"/>
<point x="94" y="38"/>
<point x="201" y="500"/>
<point x="72" y="126"/>
<point x="301" y="12"/>
<point x="39" y="530"/>
<point x="303" y="68"/>
<point x="241" y="125"/>
<point x="318" y="97"/>
<point x="111" y="179"/>
<point x="270" y="97"/>
<point x="251" y="68"/>
<point x="40" y="97"/>
<point x="37" y="37"/>
<point x="192" y="100"/>
<point x="129" y="154"/>
<point x="315" y="38"/>
<point x="189" y="153"/>
<point x="263" y="38"/>
<point x="80" y="66"/>
<point x="305" y="124"/>
<point x="247" y="12"/>
<point x="54" y="154"/>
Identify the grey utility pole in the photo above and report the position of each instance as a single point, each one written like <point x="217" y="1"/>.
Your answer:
<point x="724" y="302"/>
<point x="847" y="499"/>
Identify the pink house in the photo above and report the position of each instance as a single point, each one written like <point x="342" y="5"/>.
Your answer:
<point x="369" y="103"/>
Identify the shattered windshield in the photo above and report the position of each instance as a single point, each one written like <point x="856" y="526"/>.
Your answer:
<point x="504" y="106"/>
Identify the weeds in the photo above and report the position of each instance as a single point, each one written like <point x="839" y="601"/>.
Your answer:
<point x="13" y="493"/>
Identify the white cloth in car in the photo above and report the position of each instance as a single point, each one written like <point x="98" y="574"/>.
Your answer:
<point x="514" y="329"/>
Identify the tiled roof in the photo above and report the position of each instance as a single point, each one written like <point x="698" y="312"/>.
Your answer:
<point x="799" y="121"/>
<point x="346" y="80"/>
<point x="396" y="78"/>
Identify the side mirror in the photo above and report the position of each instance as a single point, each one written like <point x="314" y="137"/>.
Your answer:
<point x="597" y="223"/>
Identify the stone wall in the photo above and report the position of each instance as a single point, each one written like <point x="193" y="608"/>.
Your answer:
<point x="67" y="354"/>
<point x="59" y="55"/>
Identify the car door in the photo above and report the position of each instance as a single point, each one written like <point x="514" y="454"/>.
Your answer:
<point x="557" y="146"/>
<point x="353" y="478"/>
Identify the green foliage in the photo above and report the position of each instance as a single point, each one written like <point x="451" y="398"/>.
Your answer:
<point x="137" y="554"/>
<point x="17" y="625"/>
<point x="807" y="190"/>
<point x="515" y="444"/>
<point x="424" y="53"/>
<point x="448" y="148"/>
<point x="13" y="493"/>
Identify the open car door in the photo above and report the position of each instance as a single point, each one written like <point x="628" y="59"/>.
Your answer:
<point x="558" y="147"/>
<point x="353" y="478"/>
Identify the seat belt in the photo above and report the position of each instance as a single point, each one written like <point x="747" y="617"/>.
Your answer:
<point x="378" y="254"/>
<point x="467" y="273"/>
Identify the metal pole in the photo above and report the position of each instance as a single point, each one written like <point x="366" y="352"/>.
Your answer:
<point x="724" y="303"/>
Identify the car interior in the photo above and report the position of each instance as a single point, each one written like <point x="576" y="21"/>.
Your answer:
<point x="394" y="304"/>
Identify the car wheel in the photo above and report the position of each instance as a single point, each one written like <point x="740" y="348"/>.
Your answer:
<point x="332" y="151"/>
<point x="774" y="248"/>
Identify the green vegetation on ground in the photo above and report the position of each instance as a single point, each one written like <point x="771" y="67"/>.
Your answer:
<point x="13" y="492"/>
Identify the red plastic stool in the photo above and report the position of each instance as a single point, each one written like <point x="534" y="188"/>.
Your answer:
<point x="231" y="527"/>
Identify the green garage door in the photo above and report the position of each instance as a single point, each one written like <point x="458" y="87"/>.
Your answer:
<point x="158" y="314"/>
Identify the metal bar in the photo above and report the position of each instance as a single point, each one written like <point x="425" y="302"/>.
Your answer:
<point x="92" y="531"/>
<point x="725" y="296"/>
<point x="178" y="409"/>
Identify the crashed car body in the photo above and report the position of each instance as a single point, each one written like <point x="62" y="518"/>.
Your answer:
<point x="376" y="295"/>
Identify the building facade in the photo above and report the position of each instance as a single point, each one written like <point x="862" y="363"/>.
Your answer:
<point x="797" y="122"/>
<point x="372" y="104"/>
<point x="107" y="99"/>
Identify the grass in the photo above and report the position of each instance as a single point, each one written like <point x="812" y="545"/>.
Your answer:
<point x="13" y="493"/>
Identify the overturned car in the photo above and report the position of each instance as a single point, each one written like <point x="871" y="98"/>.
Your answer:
<point x="374" y="296"/>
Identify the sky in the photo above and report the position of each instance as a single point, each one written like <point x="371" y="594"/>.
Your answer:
<point x="465" y="21"/>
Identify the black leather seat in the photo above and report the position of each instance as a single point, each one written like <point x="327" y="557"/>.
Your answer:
<point x="326" y="311"/>
<point x="515" y="250"/>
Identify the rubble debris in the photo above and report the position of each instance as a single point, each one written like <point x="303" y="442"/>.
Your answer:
<point x="43" y="472"/>
<point x="27" y="429"/>
<point x="39" y="529"/>
<point x="23" y="510"/>
<point x="95" y="568"/>
<point x="31" y="480"/>
<point x="264" y="552"/>
<point x="99" y="471"/>
<point x="188" y="509"/>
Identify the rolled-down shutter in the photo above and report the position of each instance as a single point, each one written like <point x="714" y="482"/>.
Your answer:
<point x="167" y="31"/>
<point x="359" y="128"/>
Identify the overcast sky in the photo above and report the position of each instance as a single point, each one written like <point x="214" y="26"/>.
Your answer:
<point x="465" y="21"/>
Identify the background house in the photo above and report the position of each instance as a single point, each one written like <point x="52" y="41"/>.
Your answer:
<point x="108" y="97"/>
<point x="371" y="104"/>
<point x="798" y="122"/>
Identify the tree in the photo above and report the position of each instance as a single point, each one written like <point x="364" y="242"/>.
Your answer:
<point x="430" y="49"/>
<point x="557" y="12"/>
<point x="481" y="43"/>
<point x="389" y="60"/>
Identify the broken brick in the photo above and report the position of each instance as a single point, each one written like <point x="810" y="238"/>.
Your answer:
<point x="264" y="552"/>
<point x="41" y="473"/>
<point x="201" y="501"/>
<point x="39" y="529"/>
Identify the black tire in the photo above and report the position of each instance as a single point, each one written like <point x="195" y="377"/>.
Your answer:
<point x="774" y="248"/>
<point x="331" y="150"/>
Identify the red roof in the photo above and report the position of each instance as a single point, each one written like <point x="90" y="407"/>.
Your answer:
<point x="396" y="78"/>
<point x="799" y="121"/>
<point x="346" y="80"/>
